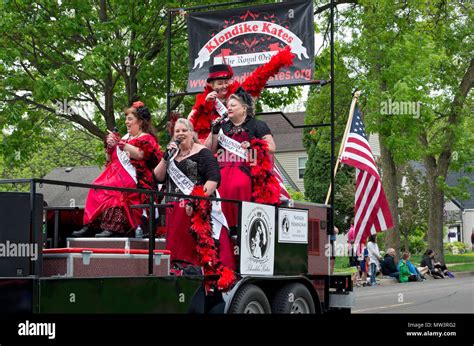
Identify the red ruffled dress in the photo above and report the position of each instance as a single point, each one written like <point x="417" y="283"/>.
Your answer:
<point x="110" y="210"/>
<point x="199" y="168"/>
<point x="236" y="175"/>
<point x="204" y="112"/>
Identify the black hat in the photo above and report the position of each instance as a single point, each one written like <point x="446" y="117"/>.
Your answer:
<point x="244" y="96"/>
<point x="221" y="71"/>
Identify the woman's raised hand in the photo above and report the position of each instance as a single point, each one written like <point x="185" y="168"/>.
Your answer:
<point x="211" y="96"/>
<point x="172" y="146"/>
<point x="112" y="139"/>
<point x="245" y="145"/>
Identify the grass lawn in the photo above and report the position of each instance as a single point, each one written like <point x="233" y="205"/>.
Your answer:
<point x="461" y="267"/>
<point x="467" y="257"/>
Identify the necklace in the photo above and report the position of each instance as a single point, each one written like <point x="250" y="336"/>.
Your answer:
<point x="138" y="135"/>
<point x="239" y="123"/>
<point x="187" y="152"/>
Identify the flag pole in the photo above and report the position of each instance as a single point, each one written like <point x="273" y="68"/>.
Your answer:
<point x="346" y="131"/>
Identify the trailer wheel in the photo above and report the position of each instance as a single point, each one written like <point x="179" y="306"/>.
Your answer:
<point x="250" y="299"/>
<point x="293" y="299"/>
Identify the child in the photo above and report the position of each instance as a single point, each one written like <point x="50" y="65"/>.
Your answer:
<point x="405" y="274"/>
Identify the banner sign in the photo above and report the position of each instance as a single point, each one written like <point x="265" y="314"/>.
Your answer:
<point x="292" y="226"/>
<point x="246" y="38"/>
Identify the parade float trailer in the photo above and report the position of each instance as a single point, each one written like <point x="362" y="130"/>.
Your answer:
<point x="290" y="273"/>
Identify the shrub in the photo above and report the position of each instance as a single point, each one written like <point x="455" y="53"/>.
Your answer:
<point x="296" y="195"/>
<point x="455" y="247"/>
<point x="416" y="243"/>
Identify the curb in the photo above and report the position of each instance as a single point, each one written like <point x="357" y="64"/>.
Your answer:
<point x="388" y="281"/>
<point x="463" y="274"/>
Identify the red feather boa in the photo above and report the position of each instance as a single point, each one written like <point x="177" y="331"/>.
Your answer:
<point x="266" y="188"/>
<point x="255" y="83"/>
<point x="201" y="230"/>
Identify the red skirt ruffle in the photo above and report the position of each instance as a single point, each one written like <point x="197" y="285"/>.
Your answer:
<point x="183" y="246"/>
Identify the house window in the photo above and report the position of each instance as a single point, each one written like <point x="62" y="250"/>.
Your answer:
<point x="301" y="166"/>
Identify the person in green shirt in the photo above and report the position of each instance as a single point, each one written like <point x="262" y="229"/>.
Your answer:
<point x="405" y="274"/>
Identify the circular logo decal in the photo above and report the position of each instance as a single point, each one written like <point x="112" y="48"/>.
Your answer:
<point x="258" y="238"/>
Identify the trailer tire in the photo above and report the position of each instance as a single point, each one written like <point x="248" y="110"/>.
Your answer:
<point x="250" y="299"/>
<point x="293" y="298"/>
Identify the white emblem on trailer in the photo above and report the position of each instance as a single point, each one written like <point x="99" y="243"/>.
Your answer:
<point x="293" y="226"/>
<point x="257" y="239"/>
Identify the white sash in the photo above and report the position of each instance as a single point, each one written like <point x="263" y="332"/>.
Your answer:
<point x="220" y="108"/>
<point x="126" y="164"/>
<point x="218" y="217"/>
<point x="186" y="186"/>
<point x="231" y="145"/>
<point x="130" y="169"/>
<point x="180" y="179"/>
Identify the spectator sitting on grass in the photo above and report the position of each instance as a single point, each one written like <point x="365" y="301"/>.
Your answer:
<point x="388" y="265"/>
<point x="404" y="274"/>
<point x="418" y="272"/>
<point x="437" y="270"/>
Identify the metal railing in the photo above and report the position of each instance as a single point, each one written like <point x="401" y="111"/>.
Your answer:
<point x="151" y="207"/>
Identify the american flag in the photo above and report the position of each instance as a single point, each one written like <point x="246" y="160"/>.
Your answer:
<point x="372" y="213"/>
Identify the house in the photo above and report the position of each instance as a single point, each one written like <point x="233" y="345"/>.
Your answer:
<point x="291" y="155"/>
<point x="459" y="214"/>
<point x="60" y="196"/>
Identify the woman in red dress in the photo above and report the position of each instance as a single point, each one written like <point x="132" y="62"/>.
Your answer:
<point x="243" y="145"/>
<point x="195" y="234"/>
<point x="130" y="163"/>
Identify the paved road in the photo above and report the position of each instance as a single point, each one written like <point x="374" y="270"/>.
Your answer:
<point x="432" y="296"/>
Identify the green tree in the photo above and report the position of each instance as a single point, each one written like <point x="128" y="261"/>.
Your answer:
<point x="318" y="142"/>
<point x="83" y="62"/>
<point x="64" y="146"/>
<point x="413" y="208"/>
<point x="419" y="53"/>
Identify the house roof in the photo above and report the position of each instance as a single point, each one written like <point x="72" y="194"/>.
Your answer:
<point x="60" y="196"/>
<point x="452" y="180"/>
<point x="286" y="137"/>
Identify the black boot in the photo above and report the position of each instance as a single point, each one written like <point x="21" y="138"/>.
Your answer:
<point x="84" y="232"/>
<point x="107" y="234"/>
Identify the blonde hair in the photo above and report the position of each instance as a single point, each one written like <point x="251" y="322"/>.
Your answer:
<point x="189" y="126"/>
